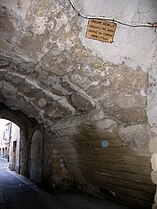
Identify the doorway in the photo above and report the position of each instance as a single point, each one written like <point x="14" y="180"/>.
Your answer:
<point x="36" y="157"/>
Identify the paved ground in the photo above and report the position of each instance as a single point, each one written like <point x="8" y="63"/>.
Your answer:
<point x="17" y="192"/>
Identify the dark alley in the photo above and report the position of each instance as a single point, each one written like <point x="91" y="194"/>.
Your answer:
<point x="17" y="192"/>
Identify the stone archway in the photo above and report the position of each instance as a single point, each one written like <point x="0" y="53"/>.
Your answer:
<point x="26" y="126"/>
<point x="36" y="156"/>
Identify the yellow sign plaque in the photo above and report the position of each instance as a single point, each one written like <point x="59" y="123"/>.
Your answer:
<point x="101" y="30"/>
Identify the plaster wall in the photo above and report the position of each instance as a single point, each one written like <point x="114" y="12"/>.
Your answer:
<point x="136" y="47"/>
<point x="15" y="138"/>
<point x="132" y="46"/>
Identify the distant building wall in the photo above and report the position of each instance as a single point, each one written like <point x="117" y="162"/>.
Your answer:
<point x="9" y="143"/>
<point x="5" y="135"/>
<point x="14" y="148"/>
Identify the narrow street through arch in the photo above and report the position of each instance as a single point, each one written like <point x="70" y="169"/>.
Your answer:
<point x="17" y="192"/>
<point x="14" y="194"/>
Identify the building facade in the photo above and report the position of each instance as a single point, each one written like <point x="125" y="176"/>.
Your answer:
<point x="5" y="137"/>
<point x="9" y="143"/>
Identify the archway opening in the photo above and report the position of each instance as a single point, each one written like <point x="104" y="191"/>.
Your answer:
<point x="10" y="144"/>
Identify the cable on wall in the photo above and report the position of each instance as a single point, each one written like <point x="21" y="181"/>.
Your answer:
<point x="146" y="25"/>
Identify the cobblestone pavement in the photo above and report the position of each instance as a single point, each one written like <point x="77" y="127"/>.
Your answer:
<point x="17" y="192"/>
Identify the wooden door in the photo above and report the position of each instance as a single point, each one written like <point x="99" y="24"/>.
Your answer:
<point x="36" y="157"/>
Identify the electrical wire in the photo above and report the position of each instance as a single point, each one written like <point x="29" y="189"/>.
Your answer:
<point x="113" y="20"/>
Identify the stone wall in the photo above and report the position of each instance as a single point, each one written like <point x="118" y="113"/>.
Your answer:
<point x="56" y="176"/>
<point x="121" y="170"/>
<point x="152" y="147"/>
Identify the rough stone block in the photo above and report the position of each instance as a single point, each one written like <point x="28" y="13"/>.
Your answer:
<point x="154" y="161"/>
<point x="42" y="102"/>
<point x="9" y="87"/>
<point x="80" y="102"/>
<point x="67" y="132"/>
<point x="154" y="176"/>
<point x="153" y="129"/>
<point x="154" y="206"/>
<point x="104" y="124"/>
<point x="137" y="134"/>
<point x="1" y="83"/>
<point x="153" y="145"/>
<point x="155" y="199"/>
